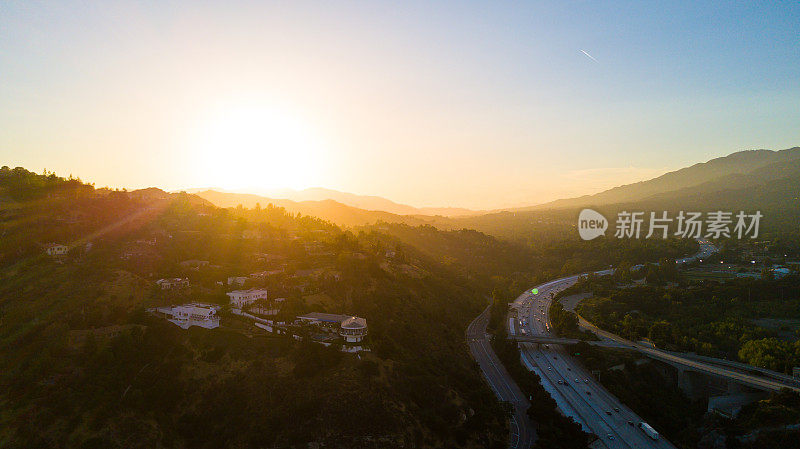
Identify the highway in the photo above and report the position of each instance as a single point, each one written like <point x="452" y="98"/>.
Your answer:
<point x="523" y="433"/>
<point x="578" y="394"/>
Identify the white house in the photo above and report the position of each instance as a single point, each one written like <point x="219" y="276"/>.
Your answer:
<point x="238" y="280"/>
<point x="353" y="329"/>
<point x="170" y="283"/>
<point x="242" y="298"/>
<point x="56" y="250"/>
<point x="188" y="315"/>
<point x="194" y="264"/>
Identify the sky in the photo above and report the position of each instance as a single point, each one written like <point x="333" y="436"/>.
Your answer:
<point x="468" y="104"/>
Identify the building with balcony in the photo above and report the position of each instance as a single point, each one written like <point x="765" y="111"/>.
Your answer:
<point x="353" y="329"/>
<point x="243" y="298"/>
<point x="188" y="315"/>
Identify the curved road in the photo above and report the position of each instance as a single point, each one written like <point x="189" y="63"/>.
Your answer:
<point x="523" y="433"/>
<point x="576" y="392"/>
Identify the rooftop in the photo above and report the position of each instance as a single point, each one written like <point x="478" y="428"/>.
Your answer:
<point x="327" y="317"/>
<point x="354" y="322"/>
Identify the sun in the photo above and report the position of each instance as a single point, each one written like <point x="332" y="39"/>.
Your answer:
<point x="257" y="147"/>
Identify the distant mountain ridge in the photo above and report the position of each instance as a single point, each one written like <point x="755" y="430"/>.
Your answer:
<point x="753" y="167"/>
<point x="752" y="180"/>
<point x="327" y="209"/>
<point x="365" y="202"/>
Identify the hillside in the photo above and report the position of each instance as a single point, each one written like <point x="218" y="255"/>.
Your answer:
<point x="82" y="364"/>
<point x="715" y="174"/>
<point x="763" y="180"/>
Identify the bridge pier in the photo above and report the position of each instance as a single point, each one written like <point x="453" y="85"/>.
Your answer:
<point x="693" y="384"/>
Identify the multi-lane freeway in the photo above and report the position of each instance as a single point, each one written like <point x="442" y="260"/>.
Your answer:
<point x="577" y="393"/>
<point x="523" y="433"/>
<point x="575" y="390"/>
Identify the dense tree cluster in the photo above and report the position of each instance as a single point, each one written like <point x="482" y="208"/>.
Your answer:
<point x="716" y="319"/>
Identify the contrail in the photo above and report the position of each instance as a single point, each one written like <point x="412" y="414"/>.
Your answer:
<point x="590" y="56"/>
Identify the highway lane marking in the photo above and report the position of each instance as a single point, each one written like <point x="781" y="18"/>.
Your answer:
<point x="499" y="373"/>
<point x="581" y="408"/>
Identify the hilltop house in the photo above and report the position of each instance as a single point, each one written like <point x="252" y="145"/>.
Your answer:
<point x="188" y="315"/>
<point x="170" y="283"/>
<point x="352" y="329"/>
<point x="194" y="264"/>
<point x="242" y="298"/>
<point x="238" y="280"/>
<point x="56" y="249"/>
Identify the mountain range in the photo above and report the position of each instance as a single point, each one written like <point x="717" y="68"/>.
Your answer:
<point x="365" y="202"/>
<point x="742" y="169"/>
<point x="750" y="180"/>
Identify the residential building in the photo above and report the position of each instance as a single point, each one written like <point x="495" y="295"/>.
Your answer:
<point x="243" y="298"/>
<point x="188" y="315"/>
<point x="56" y="250"/>
<point x="195" y="264"/>
<point x="171" y="283"/>
<point x="320" y="318"/>
<point x="353" y="329"/>
<point x="266" y="273"/>
<point x="238" y="280"/>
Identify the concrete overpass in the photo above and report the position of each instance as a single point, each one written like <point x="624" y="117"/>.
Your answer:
<point x="687" y="365"/>
<point x="692" y="365"/>
<point x="565" y="341"/>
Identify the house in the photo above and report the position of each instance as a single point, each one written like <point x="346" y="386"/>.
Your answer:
<point x="188" y="315"/>
<point x="238" y="280"/>
<point x="267" y="257"/>
<point x="267" y="307"/>
<point x="171" y="283"/>
<point x="243" y="298"/>
<point x="322" y="319"/>
<point x="55" y="249"/>
<point x="352" y="329"/>
<point x="250" y="234"/>
<point x="194" y="264"/>
<point x="266" y="273"/>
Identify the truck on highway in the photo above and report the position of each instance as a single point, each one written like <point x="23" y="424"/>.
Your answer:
<point x="649" y="431"/>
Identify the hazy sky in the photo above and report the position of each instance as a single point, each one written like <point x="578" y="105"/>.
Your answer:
<point x="428" y="103"/>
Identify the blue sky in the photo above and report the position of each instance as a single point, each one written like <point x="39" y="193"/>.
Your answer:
<point x="447" y="103"/>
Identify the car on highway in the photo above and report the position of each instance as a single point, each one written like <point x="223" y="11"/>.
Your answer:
<point x="608" y="412"/>
<point x="588" y="392"/>
<point x="616" y="409"/>
<point x="586" y="381"/>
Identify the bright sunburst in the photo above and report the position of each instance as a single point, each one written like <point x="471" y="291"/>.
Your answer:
<point x="259" y="147"/>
